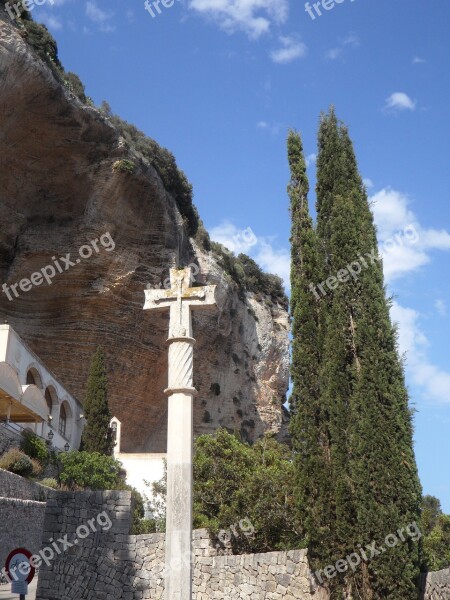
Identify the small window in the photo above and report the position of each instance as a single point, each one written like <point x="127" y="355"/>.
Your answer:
<point x="62" y="420"/>
<point x="48" y="399"/>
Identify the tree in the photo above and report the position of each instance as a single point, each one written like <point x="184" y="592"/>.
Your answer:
<point x="309" y="422"/>
<point x="236" y="485"/>
<point x="243" y="495"/>
<point x="435" y="527"/>
<point x="89" y="470"/>
<point x="97" y="435"/>
<point x="363" y="423"/>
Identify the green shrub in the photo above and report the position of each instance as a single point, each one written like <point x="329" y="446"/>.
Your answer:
<point x="39" y="37"/>
<point x="124" y="166"/>
<point x="89" y="470"/>
<point x="74" y="84"/>
<point x="17" y="462"/>
<point x="35" y="447"/>
<point x="50" y="483"/>
<point x="247" y="274"/>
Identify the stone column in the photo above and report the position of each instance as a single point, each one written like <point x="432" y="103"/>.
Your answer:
<point x="179" y="469"/>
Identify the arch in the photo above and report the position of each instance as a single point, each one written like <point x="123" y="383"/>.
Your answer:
<point x="52" y="400"/>
<point x="65" y="420"/>
<point x="34" y="378"/>
<point x="9" y="382"/>
<point x="33" y="399"/>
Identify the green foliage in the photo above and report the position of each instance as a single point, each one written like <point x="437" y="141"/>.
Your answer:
<point x="435" y="527"/>
<point x="124" y="166"/>
<point x="35" y="447"/>
<point x="97" y="434"/>
<point x="139" y="524"/>
<point x="234" y="481"/>
<point x="16" y="462"/>
<point x="49" y="482"/>
<point x="74" y="84"/>
<point x="163" y="161"/>
<point x="244" y="271"/>
<point x="39" y="37"/>
<point x="352" y="427"/>
<point x="314" y="497"/>
<point x="89" y="470"/>
<point x="157" y="505"/>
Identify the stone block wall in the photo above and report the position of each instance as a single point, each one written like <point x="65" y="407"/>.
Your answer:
<point x="8" y="439"/>
<point x="107" y="562"/>
<point x="21" y="526"/>
<point x="102" y="561"/>
<point x="436" y="586"/>
<point x="22" y="509"/>
<point x="14" y="486"/>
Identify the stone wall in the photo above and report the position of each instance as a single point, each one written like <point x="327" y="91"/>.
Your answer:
<point x="102" y="561"/>
<point x="21" y="526"/>
<point x="22" y="509"/>
<point x="110" y="563"/>
<point x="14" y="486"/>
<point x="8" y="439"/>
<point x="436" y="586"/>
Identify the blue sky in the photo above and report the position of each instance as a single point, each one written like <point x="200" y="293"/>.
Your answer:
<point x="219" y="82"/>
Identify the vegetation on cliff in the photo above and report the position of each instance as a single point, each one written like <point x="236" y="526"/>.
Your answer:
<point x="244" y="271"/>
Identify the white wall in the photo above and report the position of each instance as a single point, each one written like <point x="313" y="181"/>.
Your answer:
<point x="140" y="467"/>
<point x="15" y="352"/>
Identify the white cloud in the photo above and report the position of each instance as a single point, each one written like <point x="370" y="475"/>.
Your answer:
<point x="368" y="183"/>
<point x="235" y="239"/>
<point x="291" y="49"/>
<point x="99" y="16"/>
<point x="273" y="128"/>
<point x="311" y="159"/>
<point x="441" y="307"/>
<point x="434" y="382"/>
<point x="418" y="61"/>
<point x="254" y="17"/>
<point x="351" y="40"/>
<point x="333" y="53"/>
<point x="269" y="258"/>
<point x="399" y="101"/>
<point x="412" y="242"/>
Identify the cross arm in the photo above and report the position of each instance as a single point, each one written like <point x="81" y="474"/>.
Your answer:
<point x="158" y="299"/>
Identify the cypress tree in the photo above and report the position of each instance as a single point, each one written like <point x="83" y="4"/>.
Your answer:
<point x="97" y="434"/>
<point x="372" y="488"/>
<point x="309" y="420"/>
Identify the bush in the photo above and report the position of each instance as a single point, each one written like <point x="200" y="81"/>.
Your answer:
<point x="74" y="84"/>
<point x="238" y="490"/>
<point x="37" y="468"/>
<point x="244" y="271"/>
<point x="124" y="166"/>
<point x="39" y="37"/>
<point x="17" y="462"/>
<point x="50" y="483"/>
<point x="89" y="470"/>
<point x="35" y="447"/>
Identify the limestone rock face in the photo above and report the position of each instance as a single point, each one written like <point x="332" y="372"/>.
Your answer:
<point x="58" y="194"/>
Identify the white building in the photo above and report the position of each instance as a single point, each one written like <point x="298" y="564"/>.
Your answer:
<point x="32" y="397"/>
<point x="142" y="469"/>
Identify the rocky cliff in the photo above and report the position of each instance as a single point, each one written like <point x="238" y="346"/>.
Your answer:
<point x="68" y="178"/>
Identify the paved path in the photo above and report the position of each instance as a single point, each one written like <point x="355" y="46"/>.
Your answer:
<point x="5" y="592"/>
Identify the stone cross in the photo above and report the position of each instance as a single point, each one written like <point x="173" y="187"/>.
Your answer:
<point x="181" y="300"/>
